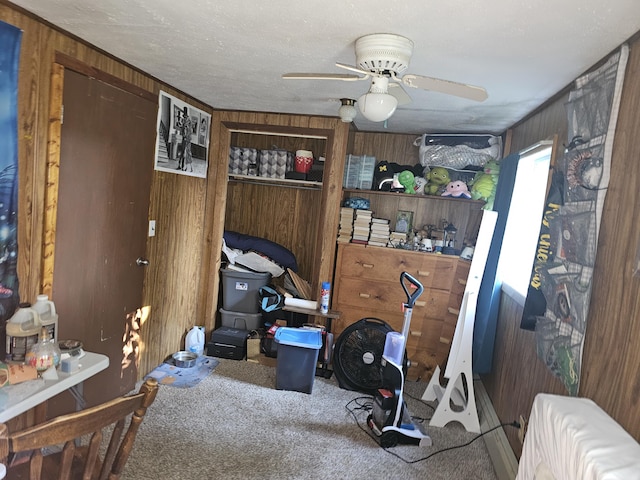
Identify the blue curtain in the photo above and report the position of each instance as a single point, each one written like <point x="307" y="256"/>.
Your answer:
<point x="10" y="37"/>
<point x="484" y="331"/>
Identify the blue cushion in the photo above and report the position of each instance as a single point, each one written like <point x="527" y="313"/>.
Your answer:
<point x="279" y="254"/>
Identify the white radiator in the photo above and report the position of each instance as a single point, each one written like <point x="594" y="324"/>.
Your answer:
<point x="572" y="438"/>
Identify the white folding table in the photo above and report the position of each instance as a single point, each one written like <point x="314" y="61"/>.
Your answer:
<point x="22" y="397"/>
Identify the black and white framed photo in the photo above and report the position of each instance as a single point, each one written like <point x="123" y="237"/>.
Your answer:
<point x="183" y="134"/>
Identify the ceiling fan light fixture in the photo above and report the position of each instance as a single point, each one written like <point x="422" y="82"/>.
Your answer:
<point x="347" y="110"/>
<point x="377" y="107"/>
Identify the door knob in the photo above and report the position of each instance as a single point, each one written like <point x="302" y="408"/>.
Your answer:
<point x="142" y="262"/>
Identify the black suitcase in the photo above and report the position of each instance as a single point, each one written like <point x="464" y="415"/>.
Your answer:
<point x="227" y="342"/>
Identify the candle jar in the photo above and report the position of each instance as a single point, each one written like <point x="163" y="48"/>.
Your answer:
<point x="44" y="354"/>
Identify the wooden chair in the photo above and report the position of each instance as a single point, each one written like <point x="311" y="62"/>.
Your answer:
<point x="78" y="459"/>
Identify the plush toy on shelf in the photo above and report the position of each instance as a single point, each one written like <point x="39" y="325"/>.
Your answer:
<point x="421" y="182"/>
<point x="437" y="178"/>
<point x="407" y="180"/>
<point x="483" y="185"/>
<point x="456" y="189"/>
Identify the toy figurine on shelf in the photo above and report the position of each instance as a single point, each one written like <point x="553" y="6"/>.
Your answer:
<point x="437" y="178"/>
<point x="483" y="185"/>
<point x="456" y="189"/>
<point x="407" y="180"/>
<point x="420" y="183"/>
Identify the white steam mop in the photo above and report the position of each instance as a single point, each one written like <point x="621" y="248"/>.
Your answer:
<point x="390" y="419"/>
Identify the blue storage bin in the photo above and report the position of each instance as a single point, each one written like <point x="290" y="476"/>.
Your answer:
<point x="299" y="337"/>
<point x="297" y="358"/>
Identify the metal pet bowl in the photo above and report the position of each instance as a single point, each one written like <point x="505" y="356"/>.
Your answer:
<point x="185" y="359"/>
<point x="72" y="347"/>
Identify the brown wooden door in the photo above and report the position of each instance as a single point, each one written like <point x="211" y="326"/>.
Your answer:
<point x="106" y="165"/>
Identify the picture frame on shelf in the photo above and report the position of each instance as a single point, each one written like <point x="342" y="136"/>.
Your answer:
<point x="404" y="221"/>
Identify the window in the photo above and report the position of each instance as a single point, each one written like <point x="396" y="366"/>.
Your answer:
<point x="523" y="221"/>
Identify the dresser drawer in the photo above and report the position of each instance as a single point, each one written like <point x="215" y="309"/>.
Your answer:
<point x="460" y="277"/>
<point x="384" y="264"/>
<point x="350" y="315"/>
<point x="374" y="263"/>
<point x="453" y="309"/>
<point x="381" y="297"/>
<point x="371" y="296"/>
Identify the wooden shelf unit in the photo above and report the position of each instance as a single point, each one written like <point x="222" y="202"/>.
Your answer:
<point x="427" y="209"/>
<point x="367" y="278"/>
<point x="301" y="216"/>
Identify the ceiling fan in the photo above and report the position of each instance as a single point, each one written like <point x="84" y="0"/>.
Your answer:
<point x="383" y="57"/>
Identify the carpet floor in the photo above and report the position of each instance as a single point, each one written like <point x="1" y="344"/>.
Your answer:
<point x="235" y="424"/>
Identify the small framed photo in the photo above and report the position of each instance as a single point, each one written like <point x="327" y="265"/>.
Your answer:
<point x="404" y="221"/>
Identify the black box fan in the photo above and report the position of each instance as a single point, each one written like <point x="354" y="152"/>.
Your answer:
<point x="357" y="355"/>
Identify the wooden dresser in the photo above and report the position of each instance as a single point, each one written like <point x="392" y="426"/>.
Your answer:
<point x="367" y="284"/>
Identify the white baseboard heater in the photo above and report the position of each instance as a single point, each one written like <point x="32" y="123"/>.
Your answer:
<point x="573" y="438"/>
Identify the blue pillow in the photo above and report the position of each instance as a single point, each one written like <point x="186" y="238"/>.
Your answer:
<point x="279" y="254"/>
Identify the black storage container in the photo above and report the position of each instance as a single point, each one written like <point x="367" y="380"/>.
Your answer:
<point x="227" y="342"/>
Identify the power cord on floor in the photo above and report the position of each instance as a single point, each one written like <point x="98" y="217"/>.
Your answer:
<point x="512" y="424"/>
<point x="426" y="404"/>
<point x="365" y="404"/>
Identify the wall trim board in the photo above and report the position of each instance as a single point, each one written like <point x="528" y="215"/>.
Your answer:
<point x="81" y="67"/>
<point x="504" y="460"/>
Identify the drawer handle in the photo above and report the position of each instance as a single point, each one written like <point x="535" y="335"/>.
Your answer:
<point x="420" y="303"/>
<point x="462" y="281"/>
<point x="445" y="340"/>
<point x="364" y="295"/>
<point x="415" y="333"/>
<point x="453" y="311"/>
<point x="367" y="265"/>
<point x="422" y="273"/>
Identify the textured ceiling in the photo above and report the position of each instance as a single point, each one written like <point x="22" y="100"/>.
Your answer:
<point x="231" y="54"/>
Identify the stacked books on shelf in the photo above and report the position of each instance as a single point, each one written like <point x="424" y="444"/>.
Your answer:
<point x="362" y="226"/>
<point x="345" y="228"/>
<point x="379" y="235"/>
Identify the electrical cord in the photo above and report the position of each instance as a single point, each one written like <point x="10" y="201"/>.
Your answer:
<point x="419" y="400"/>
<point x="511" y="424"/>
<point x="362" y="407"/>
<point x="365" y="404"/>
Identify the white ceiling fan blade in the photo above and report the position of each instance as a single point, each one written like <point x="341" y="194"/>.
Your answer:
<point x="401" y="95"/>
<point x="321" y="76"/>
<point x="354" y="69"/>
<point x="463" y="90"/>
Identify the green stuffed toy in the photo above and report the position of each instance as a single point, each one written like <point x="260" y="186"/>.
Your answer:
<point x="437" y="179"/>
<point x="407" y="180"/>
<point x="483" y="185"/>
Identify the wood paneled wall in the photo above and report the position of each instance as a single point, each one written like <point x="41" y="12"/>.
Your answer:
<point x="177" y="202"/>
<point x="181" y="282"/>
<point x="396" y="148"/>
<point x="611" y="357"/>
<point x="181" y="285"/>
<point x="305" y="221"/>
<point x="278" y="214"/>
